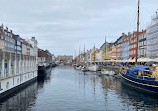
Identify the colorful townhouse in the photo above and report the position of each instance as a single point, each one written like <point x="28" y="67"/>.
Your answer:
<point x="102" y="52"/>
<point x="142" y="44"/>
<point x="97" y="55"/>
<point x="132" y="45"/>
<point x="108" y="51"/>
<point x="119" y="47"/>
<point x="93" y="54"/>
<point x="18" y="44"/>
<point x="100" y="55"/>
<point x="125" y="47"/>
<point x="113" y="55"/>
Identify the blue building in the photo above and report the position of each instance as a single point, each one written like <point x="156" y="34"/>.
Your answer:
<point x="125" y="50"/>
<point x="18" y="44"/>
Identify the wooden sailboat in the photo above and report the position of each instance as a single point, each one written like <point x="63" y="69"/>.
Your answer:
<point x="79" y="66"/>
<point x="74" y="64"/>
<point x="142" y="77"/>
<point x="84" y="69"/>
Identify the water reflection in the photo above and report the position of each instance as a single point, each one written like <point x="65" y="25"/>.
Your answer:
<point x="66" y="89"/>
<point x="24" y="98"/>
<point x="20" y="101"/>
<point x="131" y="98"/>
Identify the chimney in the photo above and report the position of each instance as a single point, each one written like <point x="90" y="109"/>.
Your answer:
<point x="129" y="33"/>
<point x="33" y="38"/>
<point x="6" y="28"/>
<point x="123" y="34"/>
<point x="2" y="25"/>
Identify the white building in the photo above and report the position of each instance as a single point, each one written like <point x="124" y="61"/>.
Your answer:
<point x="152" y="37"/>
<point x="142" y="44"/>
<point x="15" y="69"/>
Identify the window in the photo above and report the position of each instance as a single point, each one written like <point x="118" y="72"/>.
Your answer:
<point x="144" y="42"/>
<point x="7" y="85"/>
<point x="154" y="69"/>
<point x="13" y="81"/>
<point x="18" y="81"/>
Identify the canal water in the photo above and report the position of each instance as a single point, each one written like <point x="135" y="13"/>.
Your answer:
<point x="66" y="89"/>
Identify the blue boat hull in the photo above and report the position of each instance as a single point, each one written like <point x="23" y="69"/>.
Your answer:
<point x="147" y="85"/>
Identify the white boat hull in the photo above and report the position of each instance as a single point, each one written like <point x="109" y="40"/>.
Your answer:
<point x="93" y="68"/>
<point x="84" y="69"/>
<point x="78" y="68"/>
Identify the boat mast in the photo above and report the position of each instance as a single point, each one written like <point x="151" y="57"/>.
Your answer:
<point x="84" y="55"/>
<point x="75" y="57"/>
<point x="79" y="55"/>
<point x="136" y="61"/>
<point x="105" y="49"/>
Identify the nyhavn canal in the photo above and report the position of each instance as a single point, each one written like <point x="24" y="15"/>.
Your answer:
<point x="66" y="89"/>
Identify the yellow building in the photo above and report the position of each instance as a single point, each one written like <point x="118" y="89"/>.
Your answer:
<point x="93" y="54"/>
<point x="108" y="51"/>
<point x="100" y="54"/>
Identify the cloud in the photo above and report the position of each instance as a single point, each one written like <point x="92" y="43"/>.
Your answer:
<point x="62" y="26"/>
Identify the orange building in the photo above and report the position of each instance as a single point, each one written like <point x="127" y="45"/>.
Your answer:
<point x="108" y="51"/>
<point x="113" y="55"/>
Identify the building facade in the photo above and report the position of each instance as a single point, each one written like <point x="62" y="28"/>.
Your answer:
<point x="93" y="54"/>
<point x="102" y="52"/>
<point x="125" y="47"/>
<point x="152" y="38"/>
<point x="142" y="44"/>
<point x="44" y="58"/>
<point x="18" y="44"/>
<point x="119" y="47"/>
<point x="9" y="41"/>
<point x="113" y="57"/>
<point x="2" y="39"/>
<point x="65" y="58"/>
<point x="15" y="68"/>
<point x="97" y="55"/>
<point x="132" y="45"/>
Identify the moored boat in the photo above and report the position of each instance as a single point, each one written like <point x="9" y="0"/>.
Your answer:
<point x="84" y="69"/>
<point x="78" y="67"/>
<point x="142" y="77"/>
<point x="93" y="68"/>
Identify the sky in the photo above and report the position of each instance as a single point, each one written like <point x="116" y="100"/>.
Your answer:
<point x="64" y="26"/>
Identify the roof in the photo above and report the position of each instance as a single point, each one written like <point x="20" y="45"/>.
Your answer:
<point x="138" y="68"/>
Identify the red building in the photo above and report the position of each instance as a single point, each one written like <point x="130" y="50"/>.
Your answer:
<point x="133" y="45"/>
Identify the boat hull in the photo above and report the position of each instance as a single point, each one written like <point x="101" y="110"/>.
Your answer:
<point x="93" y="68"/>
<point x="78" y="68"/>
<point x="84" y="70"/>
<point x="147" y="85"/>
<point x="42" y="71"/>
